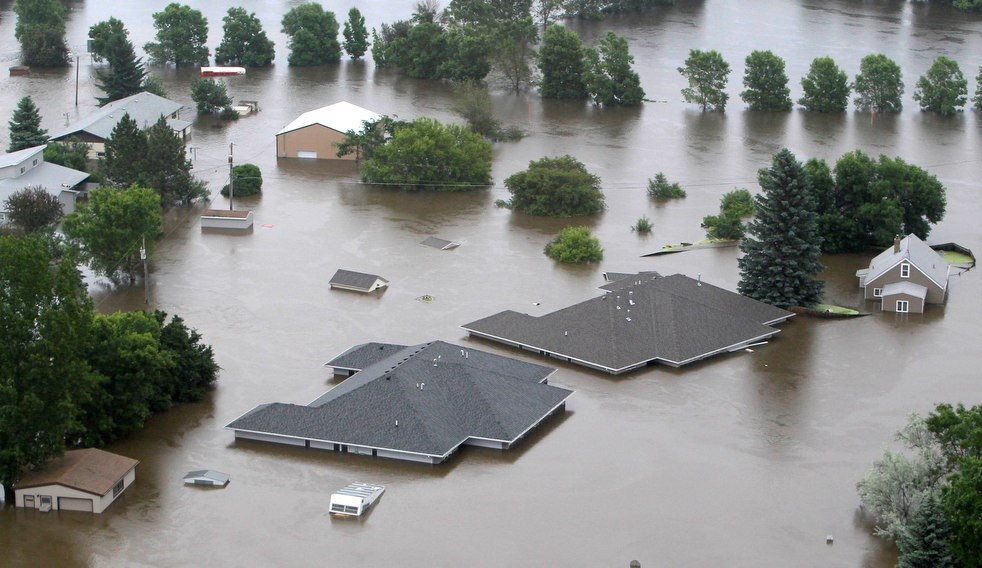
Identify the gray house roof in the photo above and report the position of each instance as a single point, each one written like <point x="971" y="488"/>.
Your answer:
<point x="357" y="280"/>
<point x="426" y="399"/>
<point x="360" y="356"/>
<point x="144" y="108"/>
<point x="14" y="158"/>
<point x="674" y="320"/>
<point x="913" y="250"/>
<point x="53" y="178"/>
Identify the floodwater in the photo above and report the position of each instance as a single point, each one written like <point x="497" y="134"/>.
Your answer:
<point x="745" y="460"/>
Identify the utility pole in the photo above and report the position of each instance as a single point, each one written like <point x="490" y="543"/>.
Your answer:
<point x="231" y="178"/>
<point x="76" y="79"/>
<point x="146" y="270"/>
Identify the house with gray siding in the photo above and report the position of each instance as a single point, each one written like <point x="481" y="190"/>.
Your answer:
<point x="906" y="277"/>
<point x="418" y="403"/>
<point x="642" y="319"/>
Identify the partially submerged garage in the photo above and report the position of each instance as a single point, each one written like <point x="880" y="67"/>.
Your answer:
<point x="86" y="480"/>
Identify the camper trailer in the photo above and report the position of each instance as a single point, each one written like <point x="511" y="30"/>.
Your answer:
<point x="355" y="499"/>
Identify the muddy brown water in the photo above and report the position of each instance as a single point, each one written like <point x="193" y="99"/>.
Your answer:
<point x="745" y="460"/>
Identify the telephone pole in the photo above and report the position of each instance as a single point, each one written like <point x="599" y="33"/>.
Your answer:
<point x="231" y="178"/>
<point x="146" y="270"/>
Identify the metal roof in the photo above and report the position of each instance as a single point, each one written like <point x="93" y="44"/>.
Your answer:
<point x="359" y="489"/>
<point x="144" y="108"/>
<point x="915" y="251"/>
<point x="207" y="476"/>
<point x="342" y="116"/>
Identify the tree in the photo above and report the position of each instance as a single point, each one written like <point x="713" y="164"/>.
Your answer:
<point x="355" y="34"/>
<point x="739" y="202"/>
<point x="879" y="85"/>
<point x="661" y="188"/>
<point x="25" y="126"/>
<point x="210" y="95"/>
<point x="112" y="226"/>
<point x="943" y="89"/>
<point x="556" y="187"/>
<point x="125" y="152"/>
<point x="32" y="209"/>
<point x="126" y="75"/>
<point x="166" y="167"/>
<point x="104" y="33"/>
<point x="610" y="80"/>
<point x="978" y="90"/>
<point x="244" y="41"/>
<point x="372" y="136"/>
<point x="728" y="225"/>
<point x="781" y="257"/>
<point x="313" y="35"/>
<point x="826" y="87"/>
<point x="426" y="154"/>
<point x="575" y="245"/>
<point x="925" y="542"/>
<point x="40" y="30"/>
<point x="72" y="153"/>
<point x="248" y="180"/>
<point x="513" y="40"/>
<point x="195" y="370"/>
<point x="562" y="63"/>
<point x="181" y="36"/>
<point x="46" y="315"/>
<point x="961" y="501"/>
<point x="707" y="73"/>
<point x="473" y="103"/>
<point x="968" y="4"/>
<point x="766" y="82"/>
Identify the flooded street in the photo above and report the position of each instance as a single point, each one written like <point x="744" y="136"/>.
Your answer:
<point x="749" y="459"/>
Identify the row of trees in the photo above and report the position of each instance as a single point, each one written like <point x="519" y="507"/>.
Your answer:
<point x="878" y="86"/>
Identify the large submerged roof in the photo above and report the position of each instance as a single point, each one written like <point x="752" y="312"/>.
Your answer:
<point x="342" y="116"/>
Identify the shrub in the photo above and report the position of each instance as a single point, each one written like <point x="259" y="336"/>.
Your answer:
<point x="724" y="227"/>
<point x="738" y="202"/>
<point x="557" y="187"/>
<point x="248" y="181"/>
<point x="575" y="245"/>
<point x="660" y="188"/>
<point x="642" y="226"/>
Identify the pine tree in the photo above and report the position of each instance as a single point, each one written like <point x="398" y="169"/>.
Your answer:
<point x="25" y="126"/>
<point x="126" y="149"/>
<point x="781" y="251"/>
<point x="925" y="543"/>
<point x="167" y="168"/>
<point x="126" y="73"/>
<point x="355" y="34"/>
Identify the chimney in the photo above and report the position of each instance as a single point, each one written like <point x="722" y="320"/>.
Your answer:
<point x="896" y="243"/>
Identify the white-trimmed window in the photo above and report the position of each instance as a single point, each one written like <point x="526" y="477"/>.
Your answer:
<point x="903" y="306"/>
<point x="877" y="292"/>
<point x="118" y="488"/>
<point x="905" y="270"/>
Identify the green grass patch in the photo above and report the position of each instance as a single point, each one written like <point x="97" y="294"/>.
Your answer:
<point x="955" y="257"/>
<point x="829" y="308"/>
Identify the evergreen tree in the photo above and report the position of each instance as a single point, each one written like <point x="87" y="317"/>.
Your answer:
<point x="166" y="167"/>
<point x="925" y="544"/>
<point x="25" y="126"/>
<point x="943" y="89"/>
<point x="126" y="74"/>
<point x="610" y="79"/>
<point x="826" y="87"/>
<point x="766" y="82"/>
<point x="126" y="149"/>
<point x="244" y="41"/>
<point x="72" y="153"/>
<point x="40" y="30"/>
<point x="355" y="34"/>
<point x="181" y="36"/>
<point x="781" y="253"/>
<point x="562" y="64"/>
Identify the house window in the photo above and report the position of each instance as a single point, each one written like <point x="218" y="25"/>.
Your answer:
<point x="902" y="306"/>
<point x="22" y="170"/>
<point x="905" y="270"/>
<point x="877" y="292"/>
<point x="118" y="488"/>
<point x="35" y="163"/>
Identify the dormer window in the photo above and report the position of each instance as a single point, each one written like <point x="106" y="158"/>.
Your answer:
<point x="905" y="270"/>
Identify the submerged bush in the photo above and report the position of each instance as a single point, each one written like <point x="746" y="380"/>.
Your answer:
<point x="575" y="245"/>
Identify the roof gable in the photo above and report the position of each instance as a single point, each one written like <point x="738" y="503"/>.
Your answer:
<point x="342" y="117"/>
<point x="352" y="279"/>
<point x="915" y="251"/>
<point x="21" y="156"/>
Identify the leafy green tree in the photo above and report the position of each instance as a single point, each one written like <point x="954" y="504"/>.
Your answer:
<point x="426" y="154"/>
<point x="513" y="41"/>
<point x="958" y="430"/>
<point x="968" y="4"/>
<point x="194" y="369"/>
<point x="724" y="227"/>
<point x="372" y="136"/>
<point x="72" y="153"/>
<point x="879" y="85"/>
<point x="102" y="34"/>
<point x="33" y="209"/>
<point x="46" y="315"/>
<point x="548" y="11"/>
<point x="766" y="82"/>
<point x="739" y="202"/>
<point x="420" y="54"/>
<point x="978" y="90"/>
<point x="25" y="126"/>
<point x="562" y="63"/>
<point x="467" y="55"/>
<point x="40" y="29"/>
<point x="125" y="152"/>
<point x="210" y="95"/>
<point x="925" y="543"/>
<point x="961" y="501"/>
<point x="943" y="89"/>
<point x="661" y="188"/>
<point x="126" y="74"/>
<point x="574" y="245"/>
<point x="781" y="257"/>
<point x="248" y="180"/>
<point x="610" y="80"/>
<point x="473" y="103"/>
<point x="166" y="167"/>
<point x="313" y="35"/>
<point x="244" y="41"/>
<point x="826" y="87"/>
<point x="111" y="227"/>
<point x="181" y="36"/>
<point x="555" y="187"/>
<point x="707" y="74"/>
<point x="153" y="85"/>
<point x="355" y="34"/>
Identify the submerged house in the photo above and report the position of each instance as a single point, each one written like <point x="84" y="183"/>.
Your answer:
<point x="81" y="480"/>
<point x="316" y="134"/>
<point x="906" y="276"/>
<point x="643" y="319"/>
<point x="418" y="403"/>
<point x="27" y="168"/>
<point x="357" y="281"/>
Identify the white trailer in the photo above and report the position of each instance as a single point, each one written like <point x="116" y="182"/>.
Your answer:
<point x="355" y="499"/>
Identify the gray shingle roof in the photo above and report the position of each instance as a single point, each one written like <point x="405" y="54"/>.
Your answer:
<point x="675" y="319"/>
<point x="360" y="356"/>
<point x="352" y="279"/>
<point x="918" y="253"/>
<point x="51" y="177"/>
<point x="439" y="394"/>
<point x="144" y="108"/>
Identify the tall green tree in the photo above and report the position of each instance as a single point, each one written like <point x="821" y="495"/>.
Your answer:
<point x="428" y="155"/>
<point x="473" y="103"/>
<point x="707" y="74"/>
<point x="513" y="53"/>
<point x="562" y="64"/>
<point x="125" y="152"/>
<point x="610" y="79"/>
<point x="355" y="34"/>
<point x="72" y="153"/>
<point x="977" y="99"/>
<point x="209" y="95"/>
<point x="244" y="41"/>
<point x="33" y="209"/>
<point x="166" y="167"/>
<point x="556" y="187"/>
<point x="126" y="74"/>
<point x="40" y="29"/>
<point x="25" y="126"/>
<point x="826" y="87"/>
<point x="313" y="35"/>
<point x="925" y="543"/>
<point x="181" y="36"/>
<point x="943" y="88"/>
<point x="961" y="502"/>
<point x="112" y="226"/>
<point x="195" y="370"/>
<point x="879" y="85"/>
<point x="46" y="315"/>
<point x="765" y="82"/>
<point x="781" y="253"/>
<point x="372" y="136"/>
<point x="102" y="34"/>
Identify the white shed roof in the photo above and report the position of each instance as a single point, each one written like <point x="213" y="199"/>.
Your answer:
<point x="342" y="117"/>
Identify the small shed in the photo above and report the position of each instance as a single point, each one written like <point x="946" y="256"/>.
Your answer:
<point x="438" y="243"/>
<point x="357" y="281"/>
<point x="207" y="477"/>
<point x="81" y="480"/>
<point x="223" y="219"/>
<point x="317" y="133"/>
